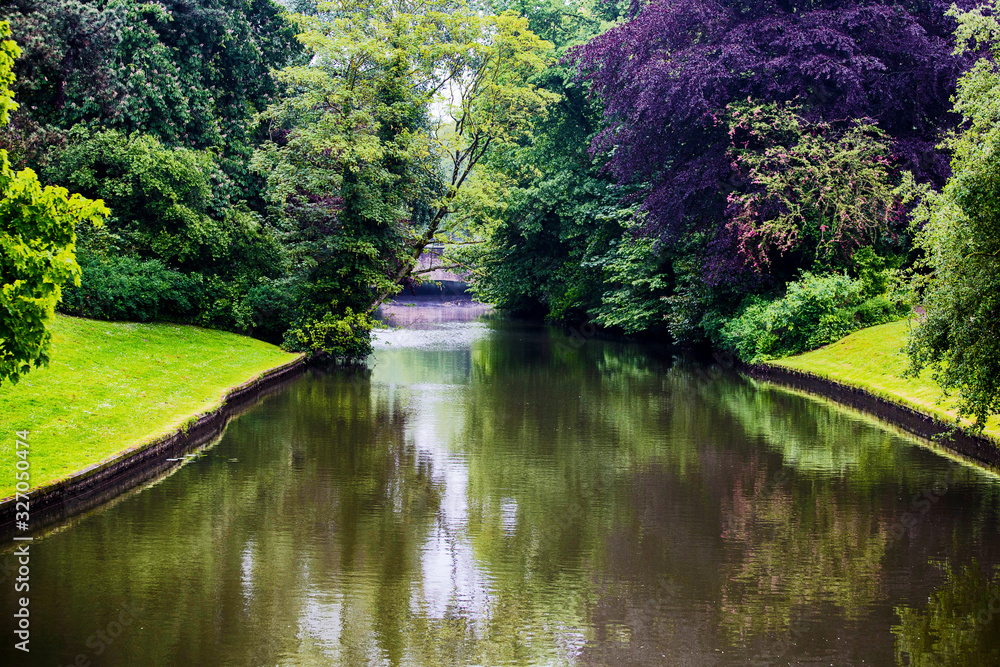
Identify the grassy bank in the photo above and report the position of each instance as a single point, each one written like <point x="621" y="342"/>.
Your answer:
<point x="872" y="359"/>
<point x="113" y="385"/>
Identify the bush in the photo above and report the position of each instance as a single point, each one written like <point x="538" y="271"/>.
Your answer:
<point x="274" y="304"/>
<point x="347" y="337"/>
<point x="879" y="310"/>
<point x="126" y="288"/>
<point x="171" y="204"/>
<point x="815" y="310"/>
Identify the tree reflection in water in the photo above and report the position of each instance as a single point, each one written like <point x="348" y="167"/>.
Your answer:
<point x="480" y="495"/>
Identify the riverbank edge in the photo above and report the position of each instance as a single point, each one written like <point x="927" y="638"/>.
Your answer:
<point x="102" y="481"/>
<point x="979" y="448"/>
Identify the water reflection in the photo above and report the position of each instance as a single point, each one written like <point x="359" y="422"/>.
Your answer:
<point x="481" y="496"/>
<point x="415" y="312"/>
<point x="960" y="623"/>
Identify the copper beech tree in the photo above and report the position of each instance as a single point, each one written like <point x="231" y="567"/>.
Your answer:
<point x="668" y="77"/>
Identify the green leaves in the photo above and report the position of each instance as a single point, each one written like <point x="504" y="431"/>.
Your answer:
<point x="815" y="310"/>
<point x="959" y="231"/>
<point x="636" y="284"/>
<point x="348" y="336"/>
<point x="814" y="189"/>
<point x="173" y="204"/>
<point x="37" y="241"/>
<point x="8" y="53"/>
<point x="190" y="73"/>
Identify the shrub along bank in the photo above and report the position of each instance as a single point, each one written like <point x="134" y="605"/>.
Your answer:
<point x="814" y="311"/>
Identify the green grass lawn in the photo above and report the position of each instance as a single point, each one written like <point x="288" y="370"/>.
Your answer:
<point x="112" y="386"/>
<point x="872" y="359"/>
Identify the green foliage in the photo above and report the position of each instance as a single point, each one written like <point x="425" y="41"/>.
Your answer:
<point x="348" y="336"/>
<point x="563" y="22"/>
<point x="172" y="204"/>
<point x="559" y="246"/>
<point x="569" y="245"/>
<point x="816" y="191"/>
<point x="115" y="287"/>
<point x="688" y="312"/>
<point x="177" y="246"/>
<point x="9" y="52"/>
<point x="338" y="178"/>
<point x="959" y="233"/>
<point x="546" y="252"/>
<point x="37" y="243"/>
<point x="158" y="108"/>
<point x="816" y="195"/>
<point x="877" y="274"/>
<point x="635" y="287"/>
<point x="126" y="288"/>
<point x="188" y="72"/>
<point x="273" y="304"/>
<point x="815" y="310"/>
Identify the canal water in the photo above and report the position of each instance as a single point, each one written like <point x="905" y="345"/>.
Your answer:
<point x="498" y="493"/>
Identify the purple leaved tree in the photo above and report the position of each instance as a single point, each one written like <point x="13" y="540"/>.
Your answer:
<point x="666" y="76"/>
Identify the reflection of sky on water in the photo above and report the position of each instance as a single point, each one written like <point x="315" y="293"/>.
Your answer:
<point x="453" y="584"/>
<point x="447" y="335"/>
<point x="425" y="314"/>
<point x="246" y="572"/>
<point x="322" y="619"/>
<point x="508" y="512"/>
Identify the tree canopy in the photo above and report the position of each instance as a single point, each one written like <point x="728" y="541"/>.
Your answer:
<point x="37" y="240"/>
<point x="959" y="232"/>
<point x="189" y="73"/>
<point x="666" y="77"/>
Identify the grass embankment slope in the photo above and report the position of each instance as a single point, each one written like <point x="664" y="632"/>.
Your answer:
<point x="873" y="359"/>
<point x="112" y="386"/>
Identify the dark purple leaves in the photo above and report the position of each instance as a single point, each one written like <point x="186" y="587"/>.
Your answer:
<point x="666" y="76"/>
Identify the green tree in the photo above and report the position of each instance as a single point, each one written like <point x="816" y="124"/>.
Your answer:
<point x="173" y="204"/>
<point x="178" y="245"/>
<point x="37" y="241"/>
<point x="550" y="246"/>
<point x="959" y="232"/>
<point x="189" y="72"/>
<point x="373" y="152"/>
